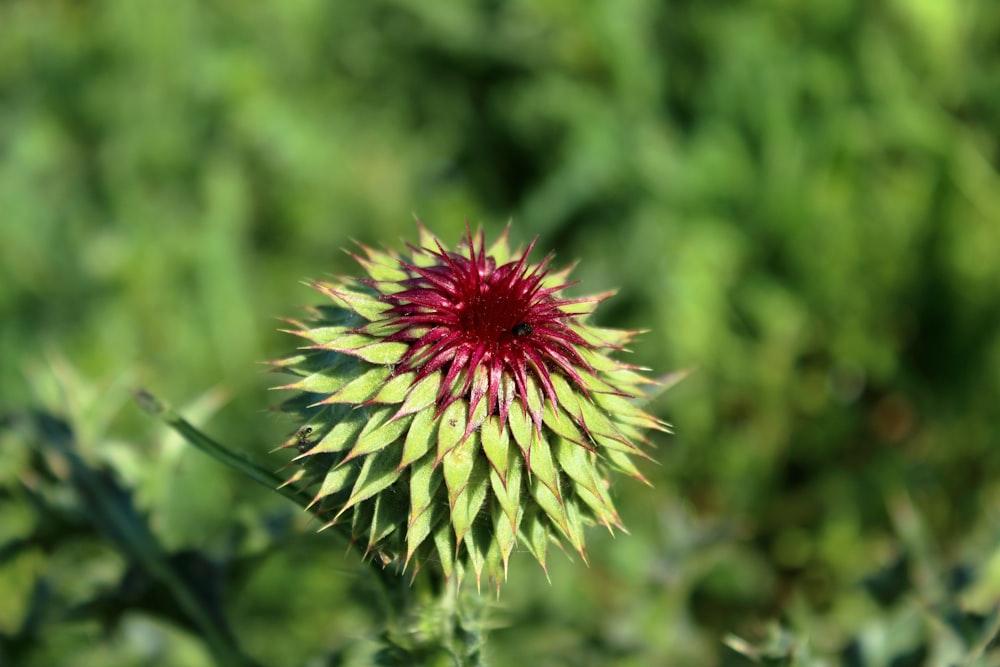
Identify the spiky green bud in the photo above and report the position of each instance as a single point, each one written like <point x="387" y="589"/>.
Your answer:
<point x="454" y="405"/>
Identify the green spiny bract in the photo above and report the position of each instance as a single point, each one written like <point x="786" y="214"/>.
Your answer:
<point x="453" y="405"/>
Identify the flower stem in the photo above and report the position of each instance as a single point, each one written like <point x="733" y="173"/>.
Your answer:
<point x="224" y="455"/>
<point x="462" y="634"/>
<point x="169" y="416"/>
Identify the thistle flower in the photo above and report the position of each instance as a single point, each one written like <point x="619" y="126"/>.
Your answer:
<point x="455" y="404"/>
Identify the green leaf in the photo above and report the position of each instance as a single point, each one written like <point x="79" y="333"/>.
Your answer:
<point x="533" y="396"/>
<point x="451" y="428"/>
<point x="577" y="462"/>
<point x="500" y="249"/>
<point x="477" y="546"/>
<point x="422" y="395"/>
<point x="602" y="431"/>
<point x="326" y="381"/>
<point x="618" y="444"/>
<point x="561" y="424"/>
<point x="568" y="396"/>
<point x="466" y="505"/>
<point x="379" y="432"/>
<point x="540" y="465"/>
<point x="361" y="520"/>
<point x="377" y="472"/>
<point x="364" y="305"/>
<point x="389" y="516"/>
<point x="603" y="337"/>
<point x="626" y="378"/>
<point x="322" y="335"/>
<point x="601" y="363"/>
<point x="336" y="481"/>
<point x="362" y="387"/>
<point x="579" y="465"/>
<point x="421" y="525"/>
<point x="343" y="434"/>
<point x="419" y="438"/>
<point x="425" y="479"/>
<point x="507" y="492"/>
<point x="521" y="428"/>
<point x="457" y="464"/>
<point x="552" y="505"/>
<point x="496" y="444"/>
<point x="621" y="462"/>
<point x="349" y="342"/>
<point x="382" y="267"/>
<point x="395" y="390"/>
<point x="444" y="540"/>
<point x="505" y="531"/>
<point x="575" y="527"/>
<point x="535" y="535"/>
<point x="596" y="384"/>
<point x="478" y="416"/>
<point x="382" y="353"/>
<point x="427" y="240"/>
<point x="622" y="410"/>
<point x="586" y="306"/>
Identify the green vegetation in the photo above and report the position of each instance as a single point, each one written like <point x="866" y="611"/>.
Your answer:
<point x="799" y="200"/>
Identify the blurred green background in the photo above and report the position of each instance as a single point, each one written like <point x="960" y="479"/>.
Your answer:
<point x="799" y="200"/>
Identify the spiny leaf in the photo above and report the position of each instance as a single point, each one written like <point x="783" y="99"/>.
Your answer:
<point x="395" y="390"/>
<point x="422" y="524"/>
<point x="422" y="395"/>
<point x="378" y="472"/>
<point x="553" y="506"/>
<point x="602" y="431"/>
<point x="321" y="335"/>
<point x="362" y="387"/>
<point x="575" y="527"/>
<point x="579" y="465"/>
<point x="389" y="516"/>
<point x="568" y="397"/>
<point x="505" y="531"/>
<point x="457" y="465"/>
<point x="521" y="428"/>
<point x="535" y="535"/>
<point x="477" y="545"/>
<point x="622" y="463"/>
<point x="466" y="505"/>
<point x="420" y="437"/>
<point x="507" y="492"/>
<point x="342" y="435"/>
<point x="444" y="540"/>
<point x="382" y="353"/>
<point x="541" y="466"/>
<point x="496" y="443"/>
<point x="336" y="481"/>
<point x="350" y="342"/>
<point x="379" y="432"/>
<point x="327" y="381"/>
<point x="560" y="423"/>
<point x="425" y="479"/>
<point x="451" y="428"/>
<point x="364" y="305"/>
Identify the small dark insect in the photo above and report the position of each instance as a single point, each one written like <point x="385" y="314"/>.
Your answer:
<point x="522" y="329"/>
<point x="304" y="444"/>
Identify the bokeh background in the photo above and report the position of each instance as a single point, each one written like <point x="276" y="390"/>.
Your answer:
<point x="801" y="201"/>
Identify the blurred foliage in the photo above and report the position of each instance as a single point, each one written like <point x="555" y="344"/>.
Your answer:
<point x="801" y="200"/>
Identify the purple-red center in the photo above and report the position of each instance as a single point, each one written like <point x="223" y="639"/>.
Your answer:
<point x="484" y="324"/>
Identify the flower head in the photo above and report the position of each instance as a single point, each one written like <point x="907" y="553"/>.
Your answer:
<point x="454" y="404"/>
